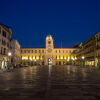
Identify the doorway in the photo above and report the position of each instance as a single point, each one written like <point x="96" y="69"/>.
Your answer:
<point x="49" y="61"/>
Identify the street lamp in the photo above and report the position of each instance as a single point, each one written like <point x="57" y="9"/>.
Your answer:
<point x="9" y="55"/>
<point x="83" y="59"/>
<point x="31" y="61"/>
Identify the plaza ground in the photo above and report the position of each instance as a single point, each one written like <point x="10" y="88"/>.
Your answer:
<point x="50" y="83"/>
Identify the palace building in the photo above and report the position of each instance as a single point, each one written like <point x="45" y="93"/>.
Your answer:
<point x="48" y="55"/>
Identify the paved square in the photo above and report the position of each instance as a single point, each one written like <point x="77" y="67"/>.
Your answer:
<point x="50" y="83"/>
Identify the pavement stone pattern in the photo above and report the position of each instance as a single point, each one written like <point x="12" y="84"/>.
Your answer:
<point x="50" y="83"/>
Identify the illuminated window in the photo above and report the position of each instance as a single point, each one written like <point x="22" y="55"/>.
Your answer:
<point x="33" y="57"/>
<point x="37" y="57"/>
<point x="28" y="57"/>
<point x="61" y="57"/>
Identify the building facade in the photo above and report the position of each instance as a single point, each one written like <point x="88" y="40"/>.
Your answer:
<point x="90" y="51"/>
<point x="48" y="55"/>
<point x="16" y="56"/>
<point x="97" y="49"/>
<point x="5" y="45"/>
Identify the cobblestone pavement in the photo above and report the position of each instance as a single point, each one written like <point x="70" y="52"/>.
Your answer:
<point x="50" y="83"/>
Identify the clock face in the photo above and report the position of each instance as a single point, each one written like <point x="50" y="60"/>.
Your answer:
<point x="49" y="50"/>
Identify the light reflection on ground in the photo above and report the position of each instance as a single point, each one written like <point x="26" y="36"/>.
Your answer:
<point x="50" y="83"/>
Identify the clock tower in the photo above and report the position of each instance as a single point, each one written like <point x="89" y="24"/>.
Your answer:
<point x="49" y="50"/>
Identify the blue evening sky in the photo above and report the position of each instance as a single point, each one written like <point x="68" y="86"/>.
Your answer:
<point x="69" y="21"/>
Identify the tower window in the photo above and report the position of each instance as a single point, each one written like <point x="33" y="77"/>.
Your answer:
<point x="49" y="42"/>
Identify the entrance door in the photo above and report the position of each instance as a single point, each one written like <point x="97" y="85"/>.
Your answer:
<point x="49" y="61"/>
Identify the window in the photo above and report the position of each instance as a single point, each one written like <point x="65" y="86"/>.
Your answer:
<point x="42" y="51"/>
<point x="35" y="51"/>
<point x="49" y="42"/>
<point x="56" y="51"/>
<point x="8" y="44"/>
<point x="24" y="51"/>
<point x="63" y="51"/>
<point x="1" y="50"/>
<point x="39" y="51"/>
<point x="4" y="50"/>
<point x="28" y="51"/>
<point x="32" y="51"/>
<point x="59" y="51"/>
<point x="3" y="42"/>
<point x="56" y="57"/>
<point x="4" y="33"/>
<point x="28" y="57"/>
<point x="21" y="51"/>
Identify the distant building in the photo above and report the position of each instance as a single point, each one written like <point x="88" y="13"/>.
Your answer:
<point x="5" y="45"/>
<point x="16" y="56"/>
<point x="48" y="55"/>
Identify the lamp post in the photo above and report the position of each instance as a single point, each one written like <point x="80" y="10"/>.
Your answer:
<point x="9" y="55"/>
<point x="31" y="61"/>
<point x="73" y="61"/>
<point x="83" y="60"/>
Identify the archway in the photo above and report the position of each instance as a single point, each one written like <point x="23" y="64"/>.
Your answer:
<point x="49" y="61"/>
